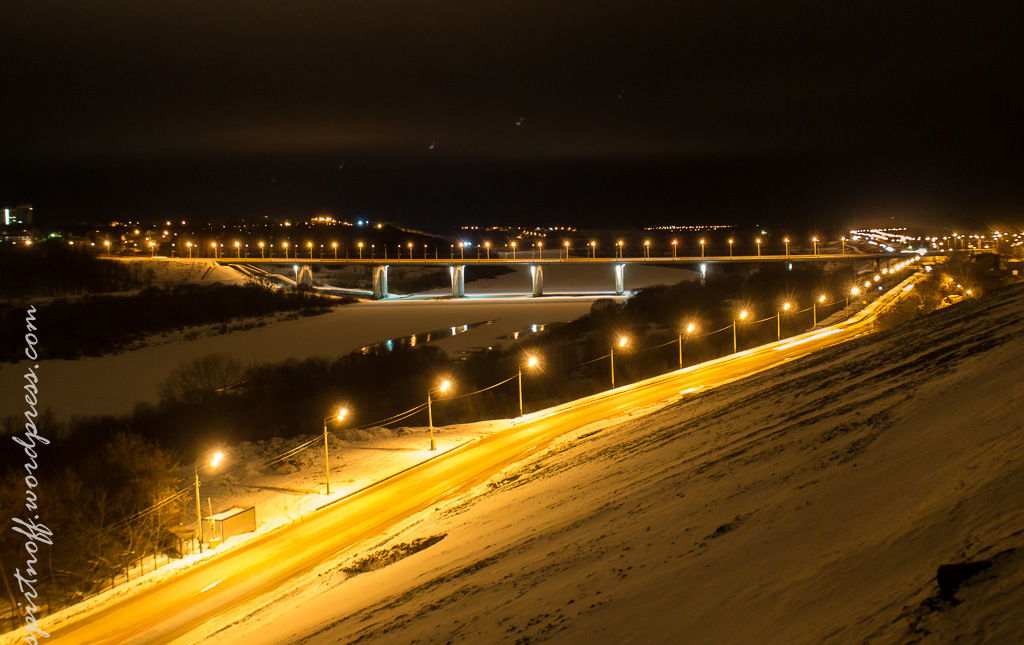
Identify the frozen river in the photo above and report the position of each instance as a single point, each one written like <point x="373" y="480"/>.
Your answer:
<point x="114" y="384"/>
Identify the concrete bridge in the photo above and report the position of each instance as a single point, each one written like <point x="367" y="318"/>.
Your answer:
<point x="457" y="266"/>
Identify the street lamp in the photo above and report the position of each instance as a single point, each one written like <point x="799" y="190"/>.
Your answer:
<point x="690" y="328"/>
<point x="217" y="458"/>
<point x="647" y="249"/>
<point x="285" y="245"/>
<point x="758" y="247"/>
<point x="619" y="244"/>
<point x="814" y="308"/>
<point x="702" y="248"/>
<point x="152" y="249"/>
<point x="787" y="245"/>
<point x="360" y="245"/>
<point x="566" y="245"/>
<point x="462" y="256"/>
<point x="106" y="243"/>
<point x="309" y="245"/>
<point x="843" y="240"/>
<point x="730" y="247"/>
<point x="593" y="247"/>
<point x="815" y="240"/>
<point x="440" y="389"/>
<point x="675" y="243"/>
<point x="743" y="316"/>
<point x="334" y="245"/>
<point x="621" y="343"/>
<point x="238" y="249"/>
<point x="261" y="250"/>
<point x="540" y="249"/>
<point x="327" y="464"/>
<point x="532" y="362"/>
<point x="778" y="318"/>
<point x="487" y="247"/>
<point x="513" y="250"/>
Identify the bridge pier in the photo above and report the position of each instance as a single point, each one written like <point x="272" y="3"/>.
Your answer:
<point x="458" y="273"/>
<point x="538" y="280"/>
<point x="380" y="282"/>
<point x="304" y="276"/>
<point x="619" y="282"/>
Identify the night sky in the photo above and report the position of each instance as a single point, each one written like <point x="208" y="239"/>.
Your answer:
<point x="564" y="113"/>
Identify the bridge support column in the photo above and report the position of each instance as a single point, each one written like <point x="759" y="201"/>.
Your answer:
<point x="304" y="276"/>
<point x="619" y="282"/>
<point x="380" y="282"/>
<point x="458" y="273"/>
<point x="538" y="280"/>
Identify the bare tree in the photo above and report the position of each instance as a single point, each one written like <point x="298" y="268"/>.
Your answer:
<point x="201" y="379"/>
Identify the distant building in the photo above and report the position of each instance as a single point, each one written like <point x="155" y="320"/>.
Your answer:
<point x="19" y="216"/>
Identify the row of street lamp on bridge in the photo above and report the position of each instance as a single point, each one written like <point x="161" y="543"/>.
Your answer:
<point x="591" y="249"/>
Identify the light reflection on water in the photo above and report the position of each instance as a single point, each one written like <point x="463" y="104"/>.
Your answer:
<point x="421" y="338"/>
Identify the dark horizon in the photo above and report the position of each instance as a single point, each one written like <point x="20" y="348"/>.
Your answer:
<point x="580" y="114"/>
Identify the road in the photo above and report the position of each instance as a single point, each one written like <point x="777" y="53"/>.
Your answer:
<point x="184" y="604"/>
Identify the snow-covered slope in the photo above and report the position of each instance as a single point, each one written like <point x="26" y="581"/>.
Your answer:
<point x="811" y="503"/>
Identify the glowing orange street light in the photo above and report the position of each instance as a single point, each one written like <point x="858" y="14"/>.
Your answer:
<point x="360" y="245"/>
<point x="261" y="250"/>
<point x="690" y="328"/>
<point x="442" y="388"/>
<point x="238" y="250"/>
<point x="487" y="247"/>
<point x="285" y="245"/>
<point x="309" y="245"/>
<point x="675" y="244"/>
<point x="621" y="343"/>
<point x="778" y="318"/>
<point x="217" y="458"/>
<point x="327" y="462"/>
<point x="742" y="316"/>
<point x="815" y="240"/>
<point x="566" y="245"/>
<point x="531" y="362"/>
<point x="758" y="247"/>
<point x="513" y="250"/>
<point x="702" y="248"/>
<point x="730" y="247"/>
<point x="106" y="243"/>
<point x="787" y="245"/>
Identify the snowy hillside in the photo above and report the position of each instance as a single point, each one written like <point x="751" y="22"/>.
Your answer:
<point x="811" y="503"/>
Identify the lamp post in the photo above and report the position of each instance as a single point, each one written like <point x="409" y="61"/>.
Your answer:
<point x="199" y="510"/>
<point x="106" y="243"/>
<point x="152" y="249"/>
<point x="730" y="246"/>
<point x="360" y="245"/>
<point x="532" y="362"/>
<point x="487" y="247"/>
<point x="327" y="463"/>
<point x="743" y="316"/>
<point x="214" y="246"/>
<point x="238" y="249"/>
<point x="702" y="248"/>
<point x="566" y="245"/>
<point x="778" y="319"/>
<point x="462" y="250"/>
<point x="675" y="243"/>
<point x="540" y="249"/>
<point x="334" y="245"/>
<point x="309" y="245"/>
<point x="513" y="250"/>
<point x="843" y="240"/>
<point x="647" y="249"/>
<point x="758" y="240"/>
<point x="619" y="244"/>
<point x="593" y="247"/>
<point x="814" y="309"/>
<point x="787" y="245"/>
<point x="815" y="240"/>
<point x="285" y="246"/>
<point x="261" y="250"/>
<point x="690" y="328"/>
<point x="443" y="387"/>
<point x="622" y="343"/>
